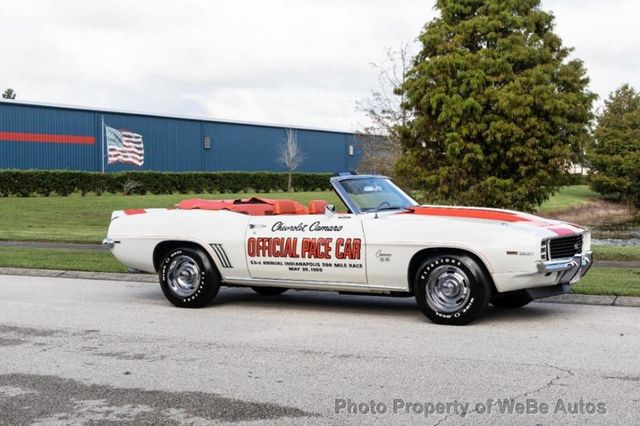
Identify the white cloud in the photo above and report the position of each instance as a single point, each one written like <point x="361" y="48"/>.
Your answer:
<point x="289" y="61"/>
<point x="605" y="35"/>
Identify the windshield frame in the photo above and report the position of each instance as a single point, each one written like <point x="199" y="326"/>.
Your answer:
<point x="337" y="183"/>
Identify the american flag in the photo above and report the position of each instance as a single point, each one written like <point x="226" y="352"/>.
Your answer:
<point x="124" y="146"/>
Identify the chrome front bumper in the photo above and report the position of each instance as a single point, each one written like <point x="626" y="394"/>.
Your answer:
<point x="109" y="243"/>
<point x="570" y="270"/>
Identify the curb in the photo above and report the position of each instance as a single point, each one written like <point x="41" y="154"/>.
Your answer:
<point x="632" y="264"/>
<point x="109" y="276"/>
<point x="577" y="299"/>
<point x="589" y="299"/>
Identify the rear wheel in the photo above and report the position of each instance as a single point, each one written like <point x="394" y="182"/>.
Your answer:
<point x="188" y="279"/>
<point x="513" y="300"/>
<point x="451" y="289"/>
<point x="269" y="291"/>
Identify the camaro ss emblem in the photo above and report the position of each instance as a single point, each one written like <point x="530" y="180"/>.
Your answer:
<point x="383" y="257"/>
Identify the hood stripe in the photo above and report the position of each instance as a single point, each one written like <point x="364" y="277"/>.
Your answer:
<point x="470" y="213"/>
<point x="492" y="215"/>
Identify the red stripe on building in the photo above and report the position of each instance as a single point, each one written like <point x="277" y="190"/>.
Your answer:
<point x="46" y="138"/>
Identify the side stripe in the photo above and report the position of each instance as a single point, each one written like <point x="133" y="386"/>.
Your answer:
<point x="221" y="254"/>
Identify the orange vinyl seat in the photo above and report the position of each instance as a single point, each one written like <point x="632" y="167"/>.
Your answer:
<point x="317" y="206"/>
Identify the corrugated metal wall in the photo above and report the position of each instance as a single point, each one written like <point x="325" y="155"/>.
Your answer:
<point x="52" y="137"/>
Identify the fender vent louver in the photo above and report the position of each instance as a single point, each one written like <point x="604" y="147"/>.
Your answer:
<point x="221" y="254"/>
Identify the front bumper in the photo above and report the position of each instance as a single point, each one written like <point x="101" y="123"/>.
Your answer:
<point x="569" y="270"/>
<point x="109" y="243"/>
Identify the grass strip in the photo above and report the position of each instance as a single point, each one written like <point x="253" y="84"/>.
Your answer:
<point x="85" y="219"/>
<point x="616" y="253"/>
<point x="567" y="197"/>
<point x="62" y="259"/>
<point x="610" y="282"/>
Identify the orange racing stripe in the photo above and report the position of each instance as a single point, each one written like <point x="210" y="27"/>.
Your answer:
<point x="470" y="213"/>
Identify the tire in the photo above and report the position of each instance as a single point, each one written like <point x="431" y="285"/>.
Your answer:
<point x="512" y="300"/>
<point x="269" y="291"/>
<point x="188" y="278"/>
<point x="451" y="289"/>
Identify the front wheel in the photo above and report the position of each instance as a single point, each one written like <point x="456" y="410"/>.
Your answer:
<point x="451" y="289"/>
<point x="188" y="279"/>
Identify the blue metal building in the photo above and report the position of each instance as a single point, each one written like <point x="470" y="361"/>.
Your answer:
<point x="40" y="136"/>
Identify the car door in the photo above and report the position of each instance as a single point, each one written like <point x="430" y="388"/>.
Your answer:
<point x="323" y="247"/>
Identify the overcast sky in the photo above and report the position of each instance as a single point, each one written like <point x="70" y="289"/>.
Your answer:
<point x="303" y="62"/>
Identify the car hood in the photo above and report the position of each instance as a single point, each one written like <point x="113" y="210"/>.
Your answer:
<point x="516" y="219"/>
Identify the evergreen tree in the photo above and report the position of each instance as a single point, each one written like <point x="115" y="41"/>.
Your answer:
<point x="498" y="108"/>
<point x="615" y="156"/>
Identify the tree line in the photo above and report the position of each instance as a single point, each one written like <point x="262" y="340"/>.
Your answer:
<point x="493" y="110"/>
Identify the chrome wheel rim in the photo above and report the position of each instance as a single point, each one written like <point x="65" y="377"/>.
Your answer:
<point x="183" y="276"/>
<point x="448" y="289"/>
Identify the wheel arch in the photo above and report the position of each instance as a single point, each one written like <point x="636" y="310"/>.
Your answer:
<point x="423" y="254"/>
<point x="163" y="247"/>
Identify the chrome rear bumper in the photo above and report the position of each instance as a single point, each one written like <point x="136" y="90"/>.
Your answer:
<point x="570" y="270"/>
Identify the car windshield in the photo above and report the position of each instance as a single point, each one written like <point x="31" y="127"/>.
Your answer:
<point x="375" y="194"/>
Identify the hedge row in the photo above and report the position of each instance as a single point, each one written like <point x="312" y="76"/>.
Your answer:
<point x="25" y="183"/>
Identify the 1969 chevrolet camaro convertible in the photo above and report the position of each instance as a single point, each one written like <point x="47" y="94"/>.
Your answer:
<point x="454" y="260"/>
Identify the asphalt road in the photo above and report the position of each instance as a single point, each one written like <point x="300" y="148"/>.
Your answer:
<point x="79" y="351"/>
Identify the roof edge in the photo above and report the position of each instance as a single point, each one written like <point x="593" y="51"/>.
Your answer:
<point x="178" y="117"/>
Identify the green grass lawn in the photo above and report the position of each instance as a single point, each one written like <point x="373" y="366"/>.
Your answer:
<point x="85" y="219"/>
<point x="63" y="259"/>
<point x="610" y="281"/>
<point x="568" y="196"/>
<point x="616" y="253"/>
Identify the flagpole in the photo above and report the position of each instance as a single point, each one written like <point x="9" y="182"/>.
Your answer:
<point x="102" y="135"/>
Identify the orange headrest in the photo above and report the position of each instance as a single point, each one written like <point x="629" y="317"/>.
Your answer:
<point x="317" y="206"/>
<point x="284" y="207"/>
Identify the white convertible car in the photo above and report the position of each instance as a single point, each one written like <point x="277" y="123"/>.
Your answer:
<point x="454" y="260"/>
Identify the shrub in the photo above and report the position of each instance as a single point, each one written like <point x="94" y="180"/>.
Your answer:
<point x="25" y="183"/>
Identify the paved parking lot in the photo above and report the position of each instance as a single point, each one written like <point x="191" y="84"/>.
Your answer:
<point x="80" y="351"/>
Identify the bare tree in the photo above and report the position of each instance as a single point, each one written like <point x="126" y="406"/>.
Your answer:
<point x="290" y="155"/>
<point x="379" y="140"/>
<point x="9" y="94"/>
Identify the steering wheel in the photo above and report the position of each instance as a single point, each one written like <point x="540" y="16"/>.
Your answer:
<point x="383" y="204"/>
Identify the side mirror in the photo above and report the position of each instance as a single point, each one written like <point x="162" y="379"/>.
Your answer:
<point x="329" y="210"/>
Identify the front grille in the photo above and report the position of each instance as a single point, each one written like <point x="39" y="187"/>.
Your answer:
<point x="564" y="247"/>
